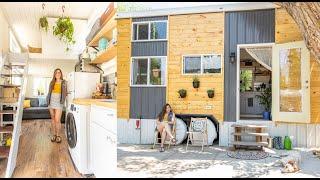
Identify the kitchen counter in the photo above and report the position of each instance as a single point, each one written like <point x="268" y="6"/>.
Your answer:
<point x="109" y="103"/>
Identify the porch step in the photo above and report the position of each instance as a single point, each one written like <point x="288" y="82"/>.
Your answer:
<point x="7" y="129"/>
<point x="248" y="126"/>
<point x="8" y="112"/>
<point x="243" y="143"/>
<point x="4" y="152"/>
<point x="7" y="122"/>
<point x="251" y="134"/>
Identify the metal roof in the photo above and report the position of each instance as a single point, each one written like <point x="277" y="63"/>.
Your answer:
<point x="198" y="9"/>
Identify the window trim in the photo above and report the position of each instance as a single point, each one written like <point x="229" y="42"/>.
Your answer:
<point x="149" y="30"/>
<point x="201" y="67"/>
<point x="148" y="71"/>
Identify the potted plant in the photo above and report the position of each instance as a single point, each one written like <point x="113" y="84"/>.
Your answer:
<point x="64" y="30"/>
<point x="182" y="93"/>
<point x="210" y="93"/>
<point x="265" y="100"/>
<point x="196" y="82"/>
<point x="43" y="23"/>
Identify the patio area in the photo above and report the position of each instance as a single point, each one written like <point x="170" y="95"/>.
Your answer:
<point x="143" y="161"/>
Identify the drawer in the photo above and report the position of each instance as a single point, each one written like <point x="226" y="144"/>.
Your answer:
<point x="105" y="117"/>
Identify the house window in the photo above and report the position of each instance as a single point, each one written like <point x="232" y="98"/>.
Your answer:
<point x="148" y="71"/>
<point x="201" y="64"/>
<point x="146" y="31"/>
<point x="40" y="86"/>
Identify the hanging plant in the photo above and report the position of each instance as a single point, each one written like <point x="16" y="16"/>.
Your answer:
<point x="182" y="93"/>
<point x="64" y="31"/>
<point x="43" y="23"/>
<point x="195" y="82"/>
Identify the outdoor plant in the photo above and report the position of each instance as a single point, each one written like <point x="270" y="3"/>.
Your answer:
<point x="64" y="31"/>
<point x="196" y="82"/>
<point x="265" y="100"/>
<point x="210" y="93"/>
<point x="43" y="23"/>
<point x="182" y="93"/>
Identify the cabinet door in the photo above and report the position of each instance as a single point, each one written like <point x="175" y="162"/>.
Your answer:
<point x="105" y="117"/>
<point x="290" y="86"/>
<point x="104" y="152"/>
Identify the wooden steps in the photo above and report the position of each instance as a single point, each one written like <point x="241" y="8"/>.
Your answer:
<point x="8" y="112"/>
<point x="10" y="66"/>
<point x="251" y="134"/>
<point x="7" y="129"/>
<point x="4" y="152"/>
<point x="12" y="75"/>
<point x="248" y="126"/>
<point x="244" y="143"/>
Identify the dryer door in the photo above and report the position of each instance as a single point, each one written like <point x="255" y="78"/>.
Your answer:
<point x="71" y="130"/>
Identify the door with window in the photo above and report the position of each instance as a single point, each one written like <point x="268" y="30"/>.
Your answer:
<point x="291" y="83"/>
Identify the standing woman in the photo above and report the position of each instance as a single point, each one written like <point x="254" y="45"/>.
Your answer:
<point x="56" y="98"/>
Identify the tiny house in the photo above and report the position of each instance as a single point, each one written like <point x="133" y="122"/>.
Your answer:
<point x="238" y="50"/>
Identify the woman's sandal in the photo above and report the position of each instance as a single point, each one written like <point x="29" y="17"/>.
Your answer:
<point x="173" y="140"/>
<point x="53" y="138"/>
<point x="161" y="149"/>
<point x="58" y="139"/>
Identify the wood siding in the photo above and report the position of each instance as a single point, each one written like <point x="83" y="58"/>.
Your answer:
<point x="195" y="34"/>
<point x="287" y="31"/>
<point x="123" y="67"/>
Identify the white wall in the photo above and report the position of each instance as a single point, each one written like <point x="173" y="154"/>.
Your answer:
<point x="45" y="68"/>
<point x="4" y="36"/>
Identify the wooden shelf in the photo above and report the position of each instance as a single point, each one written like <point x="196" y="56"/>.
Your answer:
<point x="243" y="143"/>
<point x="106" y="56"/>
<point x="105" y="31"/>
<point x="7" y="129"/>
<point x="248" y="126"/>
<point x="250" y="134"/>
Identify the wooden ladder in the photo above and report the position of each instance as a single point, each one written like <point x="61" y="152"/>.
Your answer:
<point x="15" y="69"/>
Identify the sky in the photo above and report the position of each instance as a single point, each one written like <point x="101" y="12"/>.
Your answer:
<point x="162" y="5"/>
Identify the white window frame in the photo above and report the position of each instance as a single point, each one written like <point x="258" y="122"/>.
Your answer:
<point x="149" y="30"/>
<point x="148" y="71"/>
<point x="201" y="67"/>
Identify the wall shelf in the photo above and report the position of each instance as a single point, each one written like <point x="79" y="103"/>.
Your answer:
<point x="106" y="55"/>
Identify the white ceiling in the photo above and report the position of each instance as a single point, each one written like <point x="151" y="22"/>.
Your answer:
<point x="23" y="17"/>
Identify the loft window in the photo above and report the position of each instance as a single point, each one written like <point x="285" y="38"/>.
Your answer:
<point x="149" y="31"/>
<point x="201" y="64"/>
<point x="148" y="71"/>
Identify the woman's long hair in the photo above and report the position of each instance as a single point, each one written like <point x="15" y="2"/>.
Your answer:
<point x="163" y="112"/>
<point x="54" y="77"/>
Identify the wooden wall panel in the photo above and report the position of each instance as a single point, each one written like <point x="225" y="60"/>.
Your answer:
<point x="123" y="67"/>
<point x="288" y="31"/>
<point x="195" y="34"/>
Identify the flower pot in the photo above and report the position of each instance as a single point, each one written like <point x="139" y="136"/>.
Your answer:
<point x="266" y="115"/>
<point x="183" y="94"/>
<point x="196" y="84"/>
<point x="287" y="143"/>
<point x="210" y="94"/>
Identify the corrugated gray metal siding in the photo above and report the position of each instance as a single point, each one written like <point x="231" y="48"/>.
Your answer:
<point x="153" y="48"/>
<point x="149" y="18"/>
<point x="243" y="27"/>
<point x="146" y="101"/>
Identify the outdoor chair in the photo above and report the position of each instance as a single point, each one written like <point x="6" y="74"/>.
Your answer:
<point x="157" y="136"/>
<point x="198" y="126"/>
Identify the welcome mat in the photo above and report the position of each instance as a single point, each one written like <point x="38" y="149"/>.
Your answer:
<point x="248" y="155"/>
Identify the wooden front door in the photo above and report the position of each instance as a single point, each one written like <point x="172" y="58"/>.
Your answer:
<point x="291" y="82"/>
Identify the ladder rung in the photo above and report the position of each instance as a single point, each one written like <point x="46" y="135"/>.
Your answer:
<point x="250" y="134"/>
<point x="12" y="75"/>
<point x="8" y="112"/>
<point x="6" y="129"/>
<point x="243" y="143"/>
<point x="4" y="151"/>
<point x="7" y="122"/>
<point x="14" y="65"/>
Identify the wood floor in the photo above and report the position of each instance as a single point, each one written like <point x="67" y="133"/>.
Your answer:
<point x="38" y="156"/>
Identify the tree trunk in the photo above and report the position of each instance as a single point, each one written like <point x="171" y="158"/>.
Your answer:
<point x="307" y="17"/>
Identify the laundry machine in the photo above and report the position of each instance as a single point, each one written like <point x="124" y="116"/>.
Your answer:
<point x="77" y="133"/>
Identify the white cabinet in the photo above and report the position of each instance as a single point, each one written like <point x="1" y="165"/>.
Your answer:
<point x="103" y="141"/>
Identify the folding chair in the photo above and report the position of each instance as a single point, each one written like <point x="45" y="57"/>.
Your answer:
<point x="157" y="136"/>
<point x="198" y="126"/>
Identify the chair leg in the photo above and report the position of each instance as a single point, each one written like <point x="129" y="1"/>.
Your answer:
<point x="202" y="142"/>
<point x="187" y="142"/>
<point x="155" y="140"/>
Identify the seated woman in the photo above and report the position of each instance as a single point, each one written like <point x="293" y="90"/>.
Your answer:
<point x="165" y="121"/>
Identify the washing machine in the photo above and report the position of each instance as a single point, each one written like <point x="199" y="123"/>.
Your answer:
<point x="77" y="133"/>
